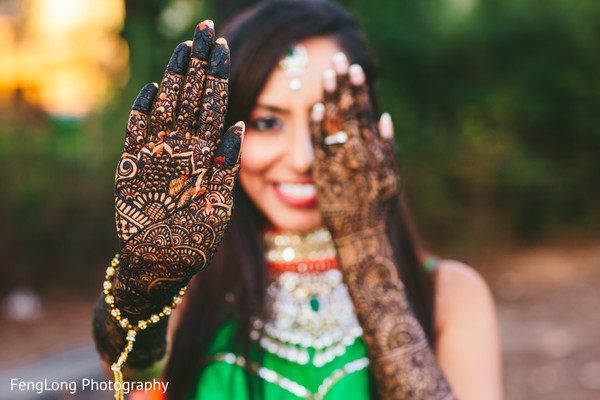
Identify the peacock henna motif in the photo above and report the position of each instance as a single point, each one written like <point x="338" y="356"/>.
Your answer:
<point x="173" y="188"/>
<point x="364" y="166"/>
<point x="189" y="105"/>
<point x="163" y="109"/>
<point x="214" y="99"/>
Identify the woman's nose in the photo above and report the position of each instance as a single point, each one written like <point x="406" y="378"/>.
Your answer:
<point x="302" y="156"/>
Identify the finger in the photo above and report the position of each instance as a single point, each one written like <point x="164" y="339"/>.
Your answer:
<point x="189" y="105"/>
<point x="340" y="123"/>
<point x="331" y="119"/>
<point x="214" y="100"/>
<point x="364" y="107"/>
<point x="135" y="136"/>
<point x="227" y="155"/>
<point x="390" y="180"/>
<point x="386" y="129"/>
<point x="367" y="125"/>
<point x="316" y="131"/>
<point x="163" y="110"/>
<point x="345" y="96"/>
<point x="226" y="164"/>
<point x="340" y="66"/>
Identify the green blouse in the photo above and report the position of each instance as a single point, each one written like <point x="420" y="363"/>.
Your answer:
<point x="346" y="377"/>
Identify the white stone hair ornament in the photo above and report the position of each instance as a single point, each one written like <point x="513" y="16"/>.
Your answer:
<point x="293" y="65"/>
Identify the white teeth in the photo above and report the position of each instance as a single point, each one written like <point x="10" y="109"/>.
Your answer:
<point x="299" y="190"/>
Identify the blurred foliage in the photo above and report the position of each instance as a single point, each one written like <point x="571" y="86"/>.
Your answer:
<point x="495" y="106"/>
<point x="494" y="102"/>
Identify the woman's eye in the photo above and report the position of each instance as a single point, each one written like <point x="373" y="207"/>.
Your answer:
<point x="265" y="124"/>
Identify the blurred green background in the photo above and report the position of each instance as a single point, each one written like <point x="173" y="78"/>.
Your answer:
<point x="495" y="104"/>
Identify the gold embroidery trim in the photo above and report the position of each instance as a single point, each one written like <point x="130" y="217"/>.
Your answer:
<point x="289" y="385"/>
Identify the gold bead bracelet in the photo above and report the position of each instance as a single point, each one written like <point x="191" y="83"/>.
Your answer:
<point x="132" y="329"/>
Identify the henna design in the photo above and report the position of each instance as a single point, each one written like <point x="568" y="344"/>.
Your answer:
<point x="173" y="194"/>
<point x="214" y="100"/>
<point x="189" y="109"/>
<point x="135" y="132"/>
<point x="163" y="109"/>
<point x="403" y="363"/>
<point x="169" y="220"/>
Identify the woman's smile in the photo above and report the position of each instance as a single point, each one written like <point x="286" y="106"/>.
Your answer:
<point x="297" y="194"/>
<point x="277" y="155"/>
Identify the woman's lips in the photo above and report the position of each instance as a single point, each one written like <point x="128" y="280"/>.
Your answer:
<point x="296" y="194"/>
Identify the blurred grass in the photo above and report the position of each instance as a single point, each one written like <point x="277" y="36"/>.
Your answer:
<point x="494" y="102"/>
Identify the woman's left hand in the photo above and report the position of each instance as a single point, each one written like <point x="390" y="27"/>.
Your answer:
<point x="357" y="182"/>
<point x="354" y="169"/>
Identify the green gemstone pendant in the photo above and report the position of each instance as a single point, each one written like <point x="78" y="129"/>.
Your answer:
<point x="314" y="304"/>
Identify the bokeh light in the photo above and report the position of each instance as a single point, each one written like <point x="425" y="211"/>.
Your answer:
<point x="62" y="55"/>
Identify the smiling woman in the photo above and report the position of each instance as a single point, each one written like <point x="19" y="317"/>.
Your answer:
<point x="318" y="288"/>
<point x="277" y="155"/>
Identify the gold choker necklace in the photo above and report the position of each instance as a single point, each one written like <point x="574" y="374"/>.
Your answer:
<point x="307" y="305"/>
<point x="300" y="252"/>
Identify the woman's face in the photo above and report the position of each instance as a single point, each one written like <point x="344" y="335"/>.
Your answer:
<point x="277" y="155"/>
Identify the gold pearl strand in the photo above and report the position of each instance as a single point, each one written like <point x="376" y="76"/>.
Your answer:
<point x="300" y="252"/>
<point x="307" y="303"/>
<point x="302" y="265"/>
<point x="132" y="329"/>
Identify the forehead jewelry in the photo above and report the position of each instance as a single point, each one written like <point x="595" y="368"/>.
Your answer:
<point x="293" y="65"/>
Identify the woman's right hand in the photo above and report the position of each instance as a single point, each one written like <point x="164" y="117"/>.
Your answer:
<point x="174" y="180"/>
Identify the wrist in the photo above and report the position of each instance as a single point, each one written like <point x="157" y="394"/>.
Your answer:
<point x="350" y="238"/>
<point x="364" y="248"/>
<point x="141" y="288"/>
<point x="146" y="325"/>
<point x="111" y="338"/>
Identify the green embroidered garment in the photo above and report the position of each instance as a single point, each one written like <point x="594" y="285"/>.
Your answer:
<point x="224" y="378"/>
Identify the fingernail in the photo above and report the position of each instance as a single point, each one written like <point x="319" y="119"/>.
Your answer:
<point x="357" y="76"/>
<point x="386" y="126"/>
<point x="219" y="60"/>
<point x="203" y="38"/>
<point x="241" y="128"/>
<point x="143" y="102"/>
<point x="228" y="152"/>
<point x="329" y="80"/>
<point x="340" y="63"/>
<point x="318" y="111"/>
<point x="179" y="60"/>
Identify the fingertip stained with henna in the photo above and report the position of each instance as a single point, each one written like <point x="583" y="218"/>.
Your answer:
<point x="219" y="60"/>
<point x="143" y="101"/>
<point x="203" y="38"/>
<point x="227" y="153"/>
<point x="179" y="59"/>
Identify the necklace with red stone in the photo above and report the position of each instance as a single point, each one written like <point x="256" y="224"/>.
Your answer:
<point x="307" y="304"/>
<point x="300" y="252"/>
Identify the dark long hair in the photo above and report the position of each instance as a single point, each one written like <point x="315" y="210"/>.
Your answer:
<point x="234" y="284"/>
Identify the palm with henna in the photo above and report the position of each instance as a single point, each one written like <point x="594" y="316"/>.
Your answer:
<point x="357" y="181"/>
<point x="173" y="185"/>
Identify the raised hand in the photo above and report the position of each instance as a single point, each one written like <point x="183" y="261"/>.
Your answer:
<point x="354" y="169"/>
<point x="174" y="181"/>
<point x="355" y="174"/>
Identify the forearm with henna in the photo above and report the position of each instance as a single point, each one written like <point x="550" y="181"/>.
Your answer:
<point x="357" y="181"/>
<point x="173" y="194"/>
<point x="403" y="362"/>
